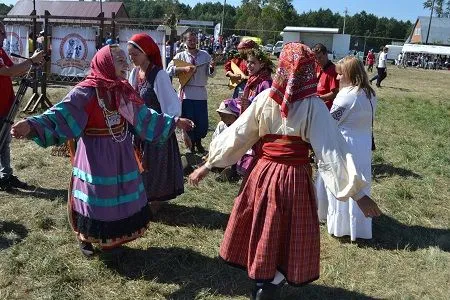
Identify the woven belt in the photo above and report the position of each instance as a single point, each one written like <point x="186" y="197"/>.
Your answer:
<point x="104" y="131"/>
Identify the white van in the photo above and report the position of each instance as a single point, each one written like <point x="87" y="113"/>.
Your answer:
<point x="277" y="48"/>
<point x="394" y="51"/>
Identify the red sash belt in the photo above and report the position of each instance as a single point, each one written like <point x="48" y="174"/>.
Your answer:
<point x="285" y="149"/>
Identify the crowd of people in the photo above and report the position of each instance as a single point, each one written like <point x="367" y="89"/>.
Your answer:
<point x="126" y="158"/>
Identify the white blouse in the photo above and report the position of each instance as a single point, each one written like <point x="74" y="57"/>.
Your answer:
<point x="167" y="97"/>
<point x="308" y="119"/>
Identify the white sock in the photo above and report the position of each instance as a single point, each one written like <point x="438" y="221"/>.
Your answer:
<point x="278" y="278"/>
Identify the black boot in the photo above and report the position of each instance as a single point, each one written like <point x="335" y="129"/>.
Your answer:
<point x="87" y="249"/>
<point x="265" y="292"/>
<point x="200" y="147"/>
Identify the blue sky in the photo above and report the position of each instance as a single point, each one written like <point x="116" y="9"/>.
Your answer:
<point x="399" y="9"/>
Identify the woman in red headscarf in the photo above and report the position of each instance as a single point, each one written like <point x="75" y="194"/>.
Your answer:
<point x="273" y="230"/>
<point x="240" y="60"/>
<point x="153" y="84"/>
<point x="107" y="201"/>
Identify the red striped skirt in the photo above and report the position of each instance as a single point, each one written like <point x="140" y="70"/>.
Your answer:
<point x="274" y="224"/>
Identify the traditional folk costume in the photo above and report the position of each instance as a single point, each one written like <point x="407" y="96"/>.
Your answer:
<point x="107" y="200"/>
<point x="157" y="92"/>
<point x="194" y="95"/>
<point x="241" y="63"/>
<point x="353" y="111"/>
<point x="274" y="225"/>
<point x="255" y="85"/>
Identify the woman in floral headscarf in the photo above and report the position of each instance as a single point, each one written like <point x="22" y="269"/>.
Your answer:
<point x="107" y="201"/>
<point x="273" y="230"/>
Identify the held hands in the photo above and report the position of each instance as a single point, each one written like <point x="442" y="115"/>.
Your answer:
<point x="369" y="207"/>
<point x="198" y="175"/>
<point x="184" y="124"/>
<point x="21" y="129"/>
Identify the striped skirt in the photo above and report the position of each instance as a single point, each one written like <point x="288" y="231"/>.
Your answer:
<point x="274" y="225"/>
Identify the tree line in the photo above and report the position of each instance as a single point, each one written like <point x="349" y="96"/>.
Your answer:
<point x="441" y="7"/>
<point x="266" y="18"/>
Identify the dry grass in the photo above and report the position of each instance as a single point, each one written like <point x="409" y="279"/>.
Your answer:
<point x="177" y="258"/>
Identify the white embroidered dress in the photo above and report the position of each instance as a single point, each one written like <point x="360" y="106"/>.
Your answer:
<point x="353" y="112"/>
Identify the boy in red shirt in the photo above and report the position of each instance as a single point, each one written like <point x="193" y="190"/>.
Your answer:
<point x="8" y="70"/>
<point x="328" y="86"/>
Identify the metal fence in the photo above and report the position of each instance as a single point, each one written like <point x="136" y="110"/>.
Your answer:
<point x="105" y="28"/>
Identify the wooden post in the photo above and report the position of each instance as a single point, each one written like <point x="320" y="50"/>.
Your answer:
<point x="102" y="25"/>
<point x="35" y="81"/>
<point x="113" y="26"/>
<point x="42" y="98"/>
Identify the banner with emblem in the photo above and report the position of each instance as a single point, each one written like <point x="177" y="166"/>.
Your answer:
<point x="16" y="41"/>
<point x="217" y="32"/>
<point x="72" y="50"/>
<point x="159" y="36"/>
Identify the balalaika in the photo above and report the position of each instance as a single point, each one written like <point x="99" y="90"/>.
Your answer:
<point x="7" y="121"/>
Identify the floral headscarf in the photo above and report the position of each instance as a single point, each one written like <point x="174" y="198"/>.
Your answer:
<point x="295" y="78"/>
<point x="103" y="75"/>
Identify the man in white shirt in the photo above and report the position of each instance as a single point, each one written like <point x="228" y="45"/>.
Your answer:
<point x="194" y="94"/>
<point x="381" y="67"/>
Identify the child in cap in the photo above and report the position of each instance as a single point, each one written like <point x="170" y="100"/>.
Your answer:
<point x="228" y="112"/>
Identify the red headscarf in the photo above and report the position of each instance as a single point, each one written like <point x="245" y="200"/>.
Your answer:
<point x="247" y="44"/>
<point x="103" y="75"/>
<point x="146" y="44"/>
<point x="295" y="78"/>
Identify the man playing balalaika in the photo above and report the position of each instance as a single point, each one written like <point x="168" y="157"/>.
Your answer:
<point x="193" y="94"/>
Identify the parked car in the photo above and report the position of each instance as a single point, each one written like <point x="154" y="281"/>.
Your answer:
<point x="268" y="48"/>
<point x="277" y="48"/>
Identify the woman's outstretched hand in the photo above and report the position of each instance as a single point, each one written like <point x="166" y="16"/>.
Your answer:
<point x="184" y="124"/>
<point x="369" y="207"/>
<point x="198" y="175"/>
<point x="21" y="129"/>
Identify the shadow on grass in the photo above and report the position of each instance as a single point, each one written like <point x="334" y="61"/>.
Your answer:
<point x="190" y="270"/>
<point x="383" y="170"/>
<point x="196" y="273"/>
<point x="40" y="192"/>
<point x="180" y="215"/>
<point x="11" y="233"/>
<point x="313" y="291"/>
<point x="389" y="234"/>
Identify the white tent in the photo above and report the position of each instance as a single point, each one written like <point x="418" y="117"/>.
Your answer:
<point x="428" y="49"/>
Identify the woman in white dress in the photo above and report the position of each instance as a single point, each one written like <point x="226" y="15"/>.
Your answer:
<point x="353" y="109"/>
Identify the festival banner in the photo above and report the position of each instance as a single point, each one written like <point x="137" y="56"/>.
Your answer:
<point x="72" y="50"/>
<point x="217" y="32"/>
<point x="16" y="41"/>
<point x="159" y="36"/>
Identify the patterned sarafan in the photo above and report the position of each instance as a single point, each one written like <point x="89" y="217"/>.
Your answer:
<point x="295" y="78"/>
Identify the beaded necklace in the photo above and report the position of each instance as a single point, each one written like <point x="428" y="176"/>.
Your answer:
<point x="112" y="117"/>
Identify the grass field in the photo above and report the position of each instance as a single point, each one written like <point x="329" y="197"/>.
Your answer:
<point x="177" y="258"/>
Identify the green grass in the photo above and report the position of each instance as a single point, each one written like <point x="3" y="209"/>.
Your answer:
<point x="177" y="258"/>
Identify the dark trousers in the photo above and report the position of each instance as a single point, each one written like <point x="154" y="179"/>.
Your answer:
<point x="380" y="76"/>
<point x="196" y="111"/>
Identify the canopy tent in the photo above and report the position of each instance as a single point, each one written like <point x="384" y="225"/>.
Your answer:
<point x="429" y="49"/>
